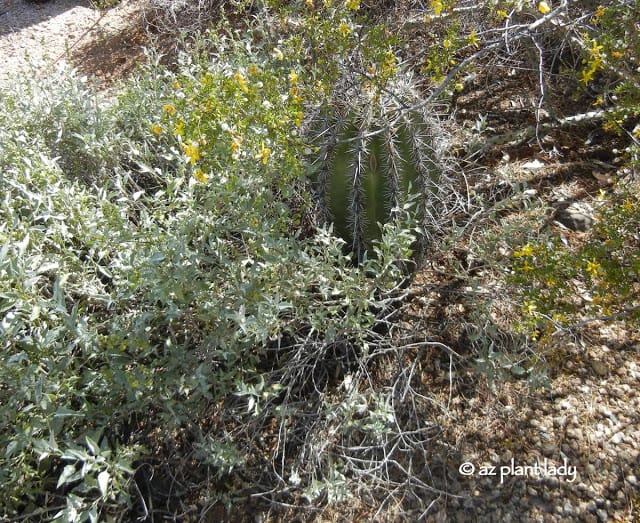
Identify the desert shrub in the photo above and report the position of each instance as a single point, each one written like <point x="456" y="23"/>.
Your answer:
<point x="159" y="304"/>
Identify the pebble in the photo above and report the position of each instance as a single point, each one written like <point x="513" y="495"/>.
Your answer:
<point x="567" y="508"/>
<point x="617" y="438"/>
<point x="599" y="368"/>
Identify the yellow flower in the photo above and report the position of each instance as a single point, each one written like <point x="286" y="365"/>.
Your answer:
<point x="501" y="14"/>
<point x="200" y="176"/>
<point x="192" y="151"/>
<point x="298" y="118"/>
<point x="472" y="39"/>
<point x="544" y="7"/>
<point x="179" y="128"/>
<point x="169" y="109"/>
<point x="586" y="75"/>
<point x="293" y="78"/>
<point x="389" y="64"/>
<point x="344" y="29"/>
<point x="526" y="251"/>
<point x="599" y="13"/>
<point x="447" y="43"/>
<point x="437" y="7"/>
<point x="253" y="69"/>
<point x="156" y="129"/>
<point x="593" y="268"/>
<point x="235" y="145"/>
<point x="354" y="5"/>
<point x="277" y="53"/>
<point x="176" y="84"/>
<point x="294" y="92"/>
<point x="529" y="307"/>
<point x="242" y="81"/>
<point x="264" y="154"/>
<point x="309" y="3"/>
<point x="617" y="54"/>
<point x="526" y="267"/>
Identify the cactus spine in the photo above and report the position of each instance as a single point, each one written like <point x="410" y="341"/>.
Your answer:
<point x="376" y="152"/>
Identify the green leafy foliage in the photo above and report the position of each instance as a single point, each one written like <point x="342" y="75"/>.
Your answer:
<point x="598" y="277"/>
<point x="153" y="268"/>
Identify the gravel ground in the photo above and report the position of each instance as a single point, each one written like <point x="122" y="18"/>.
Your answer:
<point x="34" y="34"/>
<point x="580" y="441"/>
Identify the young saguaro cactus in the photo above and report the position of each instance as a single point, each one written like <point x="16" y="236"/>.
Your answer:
<point x="380" y="147"/>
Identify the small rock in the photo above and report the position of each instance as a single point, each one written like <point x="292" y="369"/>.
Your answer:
<point x="574" y="219"/>
<point x="617" y="438"/>
<point x="602" y="515"/>
<point x="599" y="368"/>
<point x="548" y="449"/>
<point x="567" y="508"/>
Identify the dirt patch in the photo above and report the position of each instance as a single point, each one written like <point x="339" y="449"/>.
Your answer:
<point x="103" y="45"/>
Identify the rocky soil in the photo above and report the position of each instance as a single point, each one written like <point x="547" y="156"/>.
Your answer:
<point x="104" y="45"/>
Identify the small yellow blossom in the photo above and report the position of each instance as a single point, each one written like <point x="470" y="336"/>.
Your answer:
<point x="526" y="267"/>
<point x="344" y="29"/>
<point x="544" y="7"/>
<point x="176" y="84"/>
<point x="530" y="307"/>
<point x="297" y="120"/>
<point x="389" y="64"/>
<point x="617" y="54"/>
<point x="278" y="54"/>
<point x="235" y="145"/>
<point x="200" y="175"/>
<point x="156" y="129"/>
<point x="472" y="39"/>
<point x="437" y="7"/>
<point x="354" y="5"/>
<point x="593" y="268"/>
<point x="628" y="205"/>
<point x="169" y="109"/>
<point x="586" y="75"/>
<point x="309" y="3"/>
<point x="264" y="154"/>
<point x="501" y="14"/>
<point x="253" y="70"/>
<point x="447" y="43"/>
<point x="294" y="92"/>
<point x="192" y="150"/>
<point x="524" y="252"/>
<point x="242" y="81"/>
<point x="179" y="128"/>
<point x="293" y="78"/>
<point x="598" y="14"/>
